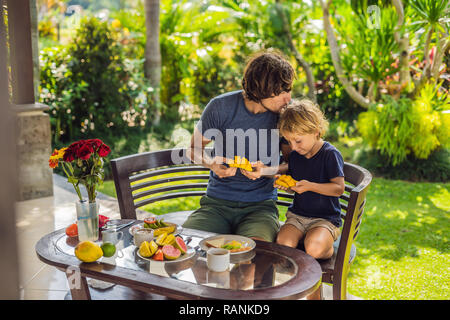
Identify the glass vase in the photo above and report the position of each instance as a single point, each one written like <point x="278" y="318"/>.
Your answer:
<point x="87" y="220"/>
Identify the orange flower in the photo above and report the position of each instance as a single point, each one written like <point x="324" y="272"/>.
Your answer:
<point x="55" y="157"/>
<point x="53" y="161"/>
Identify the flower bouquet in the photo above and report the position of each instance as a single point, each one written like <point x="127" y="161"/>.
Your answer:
<point x="82" y="162"/>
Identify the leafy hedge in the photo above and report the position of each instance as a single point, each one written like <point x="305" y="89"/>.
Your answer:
<point x="87" y="86"/>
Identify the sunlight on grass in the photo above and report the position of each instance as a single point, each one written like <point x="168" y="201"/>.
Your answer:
<point x="396" y="214"/>
<point x="441" y="199"/>
<point x="403" y="249"/>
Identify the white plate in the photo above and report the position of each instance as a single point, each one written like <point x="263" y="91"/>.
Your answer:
<point x="246" y="242"/>
<point x="135" y="227"/>
<point x="189" y="254"/>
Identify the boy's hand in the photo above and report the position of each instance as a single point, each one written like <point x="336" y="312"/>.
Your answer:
<point x="275" y="185"/>
<point x="301" y="186"/>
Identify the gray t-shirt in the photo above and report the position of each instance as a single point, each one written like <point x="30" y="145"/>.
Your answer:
<point x="238" y="132"/>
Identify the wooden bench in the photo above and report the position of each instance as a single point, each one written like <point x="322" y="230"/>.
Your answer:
<point x="150" y="177"/>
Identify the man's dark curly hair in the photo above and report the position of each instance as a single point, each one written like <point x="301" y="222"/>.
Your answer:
<point x="267" y="74"/>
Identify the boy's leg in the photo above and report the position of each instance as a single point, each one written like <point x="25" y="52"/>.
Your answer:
<point x="292" y="231"/>
<point x="209" y="217"/>
<point x="319" y="243"/>
<point x="289" y="235"/>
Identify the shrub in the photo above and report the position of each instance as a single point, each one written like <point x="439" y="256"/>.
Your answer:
<point x="398" y="128"/>
<point x="434" y="169"/>
<point x="88" y="87"/>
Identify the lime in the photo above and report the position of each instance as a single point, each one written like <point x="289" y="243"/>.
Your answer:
<point x="108" y="249"/>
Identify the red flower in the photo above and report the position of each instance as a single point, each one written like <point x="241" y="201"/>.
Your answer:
<point x="102" y="220"/>
<point x="84" y="151"/>
<point x="95" y="143"/>
<point x="69" y="155"/>
<point x="104" y="150"/>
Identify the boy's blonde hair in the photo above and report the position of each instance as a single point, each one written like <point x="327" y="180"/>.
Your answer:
<point x="302" y="117"/>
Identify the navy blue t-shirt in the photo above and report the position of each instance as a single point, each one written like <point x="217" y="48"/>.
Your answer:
<point x="325" y="165"/>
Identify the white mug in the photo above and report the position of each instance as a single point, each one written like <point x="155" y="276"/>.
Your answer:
<point x="218" y="259"/>
<point x="142" y="235"/>
<point x="111" y="235"/>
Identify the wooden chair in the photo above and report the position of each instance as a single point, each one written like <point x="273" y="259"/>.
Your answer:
<point x="138" y="176"/>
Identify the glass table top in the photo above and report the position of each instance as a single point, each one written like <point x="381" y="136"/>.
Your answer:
<point x="256" y="269"/>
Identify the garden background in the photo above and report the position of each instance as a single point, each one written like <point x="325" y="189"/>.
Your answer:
<point x="137" y="74"/>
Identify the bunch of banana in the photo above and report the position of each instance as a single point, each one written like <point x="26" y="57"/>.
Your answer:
<point x="240" y="162"/>
<point x="286" y="181"/>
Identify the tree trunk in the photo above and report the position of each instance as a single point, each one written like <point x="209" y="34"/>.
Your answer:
<point x="152" y="64"/>
<point x="334" y="49"/>
<point x="431" y="71"/>
<point x="443" y="46"/>
<point x="302" y="62"/>
<point x="403" y="43"/>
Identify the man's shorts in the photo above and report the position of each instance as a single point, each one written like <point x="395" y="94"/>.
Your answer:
<point x="249" y="219"/>
<point x="305" y="224"/>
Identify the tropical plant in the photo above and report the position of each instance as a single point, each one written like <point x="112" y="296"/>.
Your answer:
<point x="401" y="127"/>
<point x="192" y="36"/>
<point x="431" y="18"/>
<point x="393" y="39"/>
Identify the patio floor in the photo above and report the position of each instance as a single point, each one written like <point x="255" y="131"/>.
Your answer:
<point x="37" y="217"/>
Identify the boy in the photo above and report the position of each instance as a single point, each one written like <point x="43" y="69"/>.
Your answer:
<point x="318" y="167"/>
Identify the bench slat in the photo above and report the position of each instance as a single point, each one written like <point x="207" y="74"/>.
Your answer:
<point x="149" y="174"/>
<point x="170" y="196"/>
<point x="170" y="188"/>
<point x="138" y="186"/>
<point x="348" y="187"/>
<point x="283" y="203"/>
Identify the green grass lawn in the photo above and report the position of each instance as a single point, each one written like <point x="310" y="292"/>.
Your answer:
<point x="402" y="248"/>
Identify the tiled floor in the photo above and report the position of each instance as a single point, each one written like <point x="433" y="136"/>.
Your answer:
<point x="36" y="218"/>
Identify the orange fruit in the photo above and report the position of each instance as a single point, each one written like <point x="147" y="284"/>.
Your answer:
<point x="72" y="230"/>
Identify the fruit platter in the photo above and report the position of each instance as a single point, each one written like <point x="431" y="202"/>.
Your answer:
<point x="166" y="246"/>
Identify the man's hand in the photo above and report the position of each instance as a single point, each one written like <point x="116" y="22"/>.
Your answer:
<point x="302" y="186"/>
<point x="221" y="170"/>
<point x="258" y="170"/>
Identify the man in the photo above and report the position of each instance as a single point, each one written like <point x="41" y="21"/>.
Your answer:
<point x="243" y="123"/>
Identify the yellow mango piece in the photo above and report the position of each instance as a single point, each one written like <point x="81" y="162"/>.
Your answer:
<point x="282" y="183"/>
<point x="240" y="162"/>
<point x="167" y="230"/>
<point x="170" y="239"/>
<point x="160" y="239"/>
